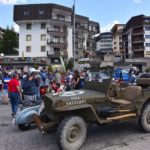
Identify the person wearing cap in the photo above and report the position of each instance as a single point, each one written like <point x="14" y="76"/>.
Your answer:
<point x="14" y="91"/>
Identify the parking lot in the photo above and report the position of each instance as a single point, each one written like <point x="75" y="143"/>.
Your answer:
<point x="105" y="137"/>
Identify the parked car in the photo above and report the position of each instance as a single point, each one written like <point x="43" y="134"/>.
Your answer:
<point x="99" y="76"/>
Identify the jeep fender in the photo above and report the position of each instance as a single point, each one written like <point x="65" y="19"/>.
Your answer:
<point x="144" y="104"/>
<point x="86" y="111"/>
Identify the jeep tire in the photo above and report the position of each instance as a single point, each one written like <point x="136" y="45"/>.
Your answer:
<point x="71" y="133"/>
<point x="144" y="119"/>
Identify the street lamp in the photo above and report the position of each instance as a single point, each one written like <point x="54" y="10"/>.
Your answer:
<point x="74" y="28"/>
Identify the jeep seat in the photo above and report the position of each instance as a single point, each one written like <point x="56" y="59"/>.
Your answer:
<point x="143" y="81"/>
<point x="130" y="94"/>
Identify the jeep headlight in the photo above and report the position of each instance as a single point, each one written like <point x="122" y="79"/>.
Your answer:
<point x="41" y="108"/>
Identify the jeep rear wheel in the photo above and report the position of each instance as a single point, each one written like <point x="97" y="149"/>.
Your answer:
<point x="71" y="133"/>
<point x="144" y="119"/>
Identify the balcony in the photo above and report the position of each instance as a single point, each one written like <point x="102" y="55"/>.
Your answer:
<point x="90" y="40"/>
<point x="55" y="53"/>
<point x="138" y="41"/>
<point x="138" y="33"/>
<point x="90" y="48"/>
<point x="137" y="49"/>
<point x="61" y="23"/>
<point x="57" y="44"/>
<point x="50" y="53"/>
<point x="54" y="32"/>
<point x="79" y="47"/>
<point x="81" y="29"/>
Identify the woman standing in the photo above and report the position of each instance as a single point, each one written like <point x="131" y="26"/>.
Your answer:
<point x="76" y="79"/>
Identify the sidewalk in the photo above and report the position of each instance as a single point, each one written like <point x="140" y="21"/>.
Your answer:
<point x="143" y="144"/>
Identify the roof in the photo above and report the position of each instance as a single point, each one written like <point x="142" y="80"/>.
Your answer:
<point x="115" y="27"/>
<point x="134" y="21"/>
<point x="32" y="11"/>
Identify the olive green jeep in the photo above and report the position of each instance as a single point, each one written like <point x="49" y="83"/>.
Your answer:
<point x="70" y="113"/>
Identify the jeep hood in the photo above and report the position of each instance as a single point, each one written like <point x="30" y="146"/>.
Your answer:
<point x="69" y="95"/>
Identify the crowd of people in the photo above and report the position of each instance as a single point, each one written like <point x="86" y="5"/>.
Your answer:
<point x="18" y="85"/>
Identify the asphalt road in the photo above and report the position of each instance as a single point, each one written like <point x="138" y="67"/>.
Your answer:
<point x="98" y="138"/>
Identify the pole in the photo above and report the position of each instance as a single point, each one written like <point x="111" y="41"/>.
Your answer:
<point x="74" y="30"/>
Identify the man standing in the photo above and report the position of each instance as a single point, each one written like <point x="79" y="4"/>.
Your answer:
<point x="14" y="93"/>
<point x="29" y="88"/>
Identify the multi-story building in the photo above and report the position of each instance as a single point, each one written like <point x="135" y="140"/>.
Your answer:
<point x="104" y="43"/>
<point x="1" y="32"/>
<point x="137" y="37"/>
<point x="117" y="32"/>
<point x="45" y="30"/>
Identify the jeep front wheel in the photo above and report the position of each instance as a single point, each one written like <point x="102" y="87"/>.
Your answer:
<point x="71" y="133"/>
<point x="144" y="119"/>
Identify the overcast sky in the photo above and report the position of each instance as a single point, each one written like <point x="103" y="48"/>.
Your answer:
<point x="106" y="12"/>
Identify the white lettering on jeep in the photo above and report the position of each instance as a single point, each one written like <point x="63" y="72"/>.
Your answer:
<point x="76" y="102"/>
<point x="72" y="93"/>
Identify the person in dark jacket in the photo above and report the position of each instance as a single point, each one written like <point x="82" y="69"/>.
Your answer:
<point x="29" y="88"/>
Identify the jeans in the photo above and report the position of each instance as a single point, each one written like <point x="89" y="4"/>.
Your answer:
<point x="37" y="92"/>
<point x="14" y="100"/>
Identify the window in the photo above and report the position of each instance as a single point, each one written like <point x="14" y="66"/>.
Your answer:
<point x="147" y="44"/>
<point x="43" y="37"/>
<point x="43" y="25"/>
<point x="90" y="28"/>
<point x="28" y="26"/>
<point x="147" y="52"/>
<point x="61" y="17"/>
<point x="28" y="37"/>
<point x="93" y="45"/>
<point x="57" y="28"/>
<point x="147" y="28"/>
<point x="56" y="39"/>
<point x="147" y="36"/>
<point x="26" y="12"/>
<point x="147" y="21"/>
<point x="28" y="49"/>
<point x="43" y="48"/>
<point x="94" y="29"/>
<point x="55" y="60"/>
<point x="41" y="12"/>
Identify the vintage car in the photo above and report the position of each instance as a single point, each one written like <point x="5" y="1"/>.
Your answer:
<point x="71" y="113"/>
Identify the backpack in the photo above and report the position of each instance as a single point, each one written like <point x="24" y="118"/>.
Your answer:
<point x="28" y="88"/>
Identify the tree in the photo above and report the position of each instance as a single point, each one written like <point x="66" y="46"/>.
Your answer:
<point x="1" y="41"/>
<point x="9" y="42"/>
<point x="50" y="68"/>
<point x="70" y="64"/>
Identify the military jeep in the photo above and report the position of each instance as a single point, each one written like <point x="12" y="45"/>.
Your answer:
<point x="70" y="113"/>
